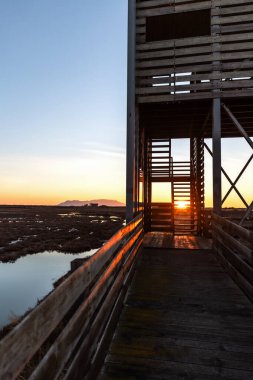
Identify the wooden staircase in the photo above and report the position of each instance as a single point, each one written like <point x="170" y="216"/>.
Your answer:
<point x="183" y="212"/>
<point x="170" y="217"/>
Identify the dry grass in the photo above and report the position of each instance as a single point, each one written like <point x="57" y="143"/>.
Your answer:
<point x="28" y="230"/>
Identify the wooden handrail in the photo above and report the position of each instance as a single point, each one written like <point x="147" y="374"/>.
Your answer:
<point x="234" y="247"/>
<point x="234" y="229"/>
<point x="92" y="280"/>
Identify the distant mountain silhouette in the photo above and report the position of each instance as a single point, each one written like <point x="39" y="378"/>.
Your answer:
<point x="100" y="202"/>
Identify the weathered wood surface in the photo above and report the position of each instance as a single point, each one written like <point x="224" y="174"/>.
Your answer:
<point x="86" y="289"/>
<point x="184" y="318"/>
<point x="234" y="247"/>
<point x="169" y="240"/>
<point x="209" y="60"/>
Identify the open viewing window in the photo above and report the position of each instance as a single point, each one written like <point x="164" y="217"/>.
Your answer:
<point x="178" y="25"/>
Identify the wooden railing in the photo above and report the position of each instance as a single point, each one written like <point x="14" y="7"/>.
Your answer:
<point x="159" y="217"/>
<point x="234" y="246"/>
<point x="65" y="336"/>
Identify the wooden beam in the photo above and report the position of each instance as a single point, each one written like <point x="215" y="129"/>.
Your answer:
<point x="247" y="214"/>
<point x="217" y="155"/>
<point x="229" y="180"/>
<point x="131" y="172"/>
<point x="238" y="125"/>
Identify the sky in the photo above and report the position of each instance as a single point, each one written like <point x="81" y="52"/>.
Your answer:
<point x="62" y="100"/>
<point x="63" y="103"/>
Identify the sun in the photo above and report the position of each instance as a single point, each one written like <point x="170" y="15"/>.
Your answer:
<point x="181" y="204"/>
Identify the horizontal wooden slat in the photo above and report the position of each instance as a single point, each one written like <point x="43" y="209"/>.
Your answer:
<point x="18" y="347"/>
<point x="235" y="274"/>
<point x="197" y="77"/>
<point x="54" y="361"/>
<point x="195" y="41"/>
<point x="233" y="243"/>
<point x="234" y="229"/>
<point x="230" y="46"/>
<point x="194" y="59"/>
<point x="160" y="3"/>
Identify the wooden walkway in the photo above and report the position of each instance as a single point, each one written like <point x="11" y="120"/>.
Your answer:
<point x="183" y="318"/>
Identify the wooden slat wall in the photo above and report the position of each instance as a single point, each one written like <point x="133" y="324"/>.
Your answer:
<point x="198" y="182"/>
<point x="160" y="216"/>
<point x="234" y="247"/>
<point x="212" y="62"/>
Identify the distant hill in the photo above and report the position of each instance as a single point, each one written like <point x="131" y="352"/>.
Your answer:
<point x="100" y="202"/>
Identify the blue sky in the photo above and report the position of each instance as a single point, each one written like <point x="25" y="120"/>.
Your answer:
<point x="63" y="103"/>
<point x="63" y="98"/>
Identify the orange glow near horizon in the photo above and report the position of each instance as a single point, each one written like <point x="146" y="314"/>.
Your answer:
<point x="183" y="205"/>
<point x="93" y="175"/>
<point x="50" y="181"/>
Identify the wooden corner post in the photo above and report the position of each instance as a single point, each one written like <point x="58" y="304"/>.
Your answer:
<point x="131" y="127"/>
<point x="217" y="200"/>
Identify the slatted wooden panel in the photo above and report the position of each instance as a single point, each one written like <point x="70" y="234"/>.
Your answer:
<point x="161" y="217"/>
<point x="234" y="246"/>
<point x="198" y="181"/>
<point x="93" y="289"/>
<point x="196" y="67"/>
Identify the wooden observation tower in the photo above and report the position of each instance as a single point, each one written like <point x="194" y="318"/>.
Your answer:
<point x="189" y="77"/>
<point x="156" y="305"/>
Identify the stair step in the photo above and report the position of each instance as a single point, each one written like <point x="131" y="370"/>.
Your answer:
<point x="181" y="192"/>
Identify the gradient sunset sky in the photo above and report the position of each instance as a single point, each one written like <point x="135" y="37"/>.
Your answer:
<point x="63" y="103"/>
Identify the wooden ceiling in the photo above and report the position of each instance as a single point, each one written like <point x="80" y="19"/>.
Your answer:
<point x="190" y="118"/>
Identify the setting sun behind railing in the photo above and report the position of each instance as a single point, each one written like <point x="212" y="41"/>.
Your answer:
<point x="182" y="204"/>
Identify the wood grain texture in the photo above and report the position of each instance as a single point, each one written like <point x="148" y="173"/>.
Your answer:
<point x="18" y="347"/>
<point x="203" y="57"/>
<point x="184" y="318"/>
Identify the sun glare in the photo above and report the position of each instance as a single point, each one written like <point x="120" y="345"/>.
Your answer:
<point x="182" y="204"/>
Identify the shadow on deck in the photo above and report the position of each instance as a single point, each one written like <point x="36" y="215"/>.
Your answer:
<point x="174" y="311"/>
<point x="183" y="318"/>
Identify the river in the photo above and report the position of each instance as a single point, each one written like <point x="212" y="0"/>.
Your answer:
<point x="29" y="279"/>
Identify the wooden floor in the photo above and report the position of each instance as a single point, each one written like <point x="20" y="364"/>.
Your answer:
<point x="169" y="240"/>
<point x="183" y="318"/>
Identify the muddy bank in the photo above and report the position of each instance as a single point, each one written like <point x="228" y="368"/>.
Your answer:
<point x="32" y="229"/>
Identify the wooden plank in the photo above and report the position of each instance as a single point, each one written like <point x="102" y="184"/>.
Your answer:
<point x="236" y="275"/>
<point x="234" y="229"/>
<point x="197" y="77"/>
<point x="146" y="348"/>
<point x="194" y="59"/>
<point x="235" y="259"/>
<point x="197" y="69"/>
<point x="159" y="45"/>
<point x="89" y="345"/>
<point x="199" y="95"/>
<point x="234" y="244"/>
<point x="160" y="3"/>
<point x="176" y="52"/>
<point x="180" y="318"/>
<point x="151" y="12"/>
<point x="235" y="28"/>
<point x="18" y="347"/>
<point x="124" y="368"/>
<point x="58" y="354"/>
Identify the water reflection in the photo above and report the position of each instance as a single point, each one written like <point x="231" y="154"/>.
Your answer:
<point x="29" y="279"/>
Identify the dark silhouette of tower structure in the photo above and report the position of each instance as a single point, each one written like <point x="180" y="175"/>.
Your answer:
<point x="189" y="77"/>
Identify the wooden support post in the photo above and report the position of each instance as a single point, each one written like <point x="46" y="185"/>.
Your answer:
<point x="229" y="180"/>
<point x="131" y="130"/>
<point x="247" y="214"/>
<point x="145" y="185"/>
<point x="217" y="155"/>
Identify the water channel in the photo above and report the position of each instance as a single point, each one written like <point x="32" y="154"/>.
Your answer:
<point x="29" y="279"/>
